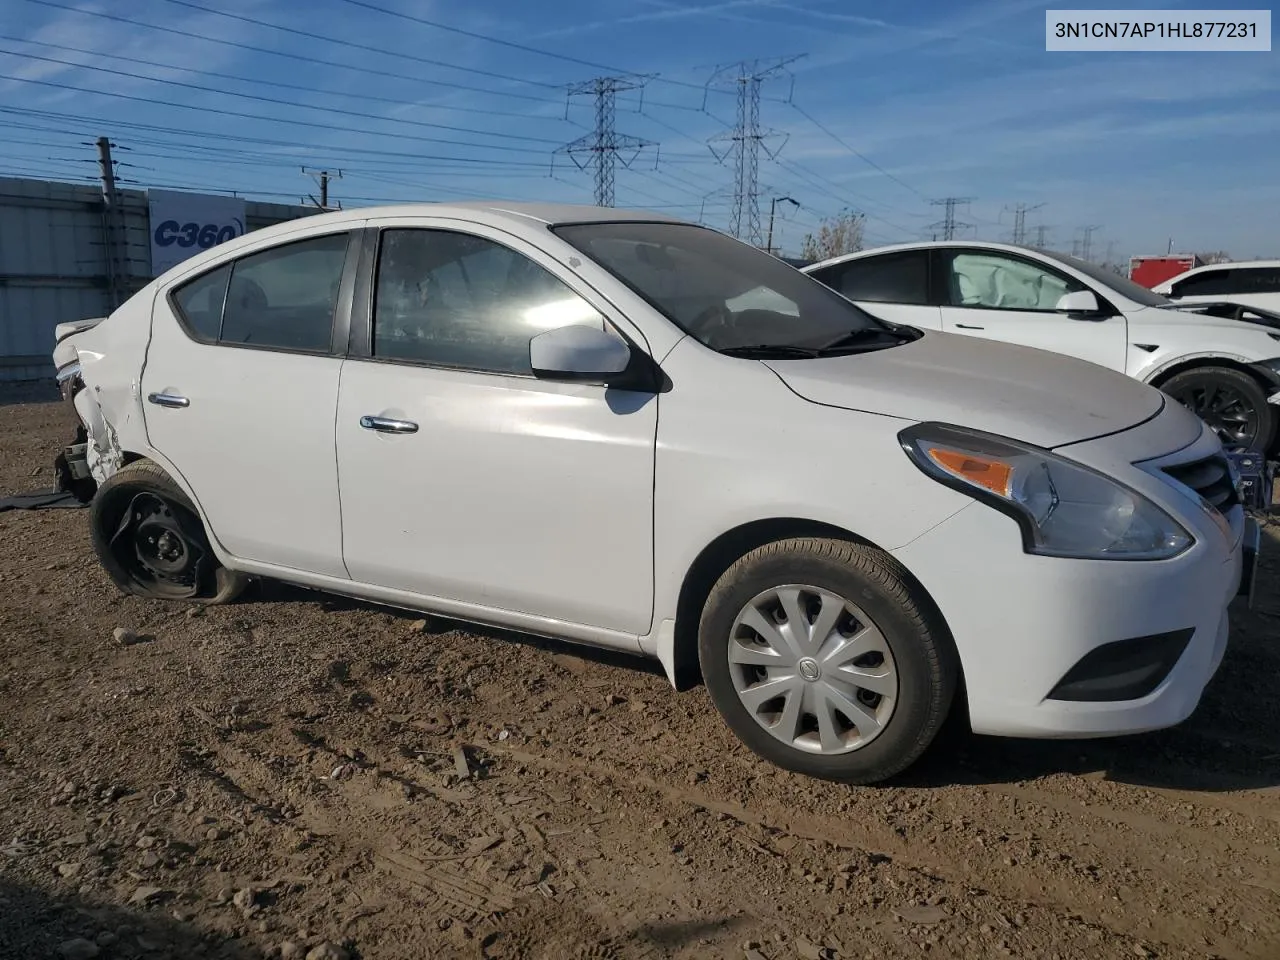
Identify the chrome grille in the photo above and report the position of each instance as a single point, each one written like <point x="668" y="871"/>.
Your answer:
<point x="1211" y="478"/>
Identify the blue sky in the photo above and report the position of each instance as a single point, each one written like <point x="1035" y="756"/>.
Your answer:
<point x="891" y="105"/>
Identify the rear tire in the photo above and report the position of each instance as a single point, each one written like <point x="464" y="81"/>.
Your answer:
<point x="1230" y="401"/>
<point x="149" y="538"/>
<point x="856" y="691"/>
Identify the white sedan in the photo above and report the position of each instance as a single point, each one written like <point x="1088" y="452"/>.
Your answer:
<point x="638" y="433"/>
<point x="1221" y="360"/>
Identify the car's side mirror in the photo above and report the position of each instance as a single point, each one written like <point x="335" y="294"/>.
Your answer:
<point x="578" y="352"/>
<point x="1078" y="302"/>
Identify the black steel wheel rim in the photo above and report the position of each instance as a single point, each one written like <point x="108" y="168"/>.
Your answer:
<point x="159" y="546"/>
<point x="1224" y="408"/>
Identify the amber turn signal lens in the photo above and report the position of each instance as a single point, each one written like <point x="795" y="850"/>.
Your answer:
<point x="987" y="472"/>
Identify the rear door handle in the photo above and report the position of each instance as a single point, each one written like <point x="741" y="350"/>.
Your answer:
<point x="969" y="326"/>
<point x="387" y="425"/>
<point x="168" y="400"/>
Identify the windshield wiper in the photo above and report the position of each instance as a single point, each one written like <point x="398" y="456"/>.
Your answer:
<point x="864" y="335"/>
<point x="770" y="351"/>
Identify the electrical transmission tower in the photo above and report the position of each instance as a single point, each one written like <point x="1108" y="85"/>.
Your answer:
<point x="1020" y="212"/>
<point x="948" y="224"/>
<point x="747" y="139"/>
<point x="1041" y="234"/>
<point x="603" y="149"/>
<point x="1086" y="245"/>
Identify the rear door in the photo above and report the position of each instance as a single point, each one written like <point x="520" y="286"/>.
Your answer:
<point x="1003" y="296"/>
<point x="893" y="286"/>
<point x="241" y="389"/>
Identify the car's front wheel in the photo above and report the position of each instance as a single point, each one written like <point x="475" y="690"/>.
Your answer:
<point x="150" y="540"/>
<point x="1230" y="401"/>
<point x="825" y="659"/>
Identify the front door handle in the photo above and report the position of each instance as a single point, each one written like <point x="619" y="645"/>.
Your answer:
<point x="387" y="425"/>
<point x="969" y="326"/>
<point x="168" y="400"/>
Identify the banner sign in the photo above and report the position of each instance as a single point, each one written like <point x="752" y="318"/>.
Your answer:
<point x="184" y="224"/>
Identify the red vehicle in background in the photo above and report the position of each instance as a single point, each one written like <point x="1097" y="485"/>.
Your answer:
<point x="1149" y="271"/>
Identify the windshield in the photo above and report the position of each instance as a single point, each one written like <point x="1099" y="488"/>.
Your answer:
<point x="725" y="293"/>
<point x="1121" y="285"/>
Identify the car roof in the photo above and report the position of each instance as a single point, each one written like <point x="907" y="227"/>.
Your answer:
<point x="1229" y="265"/>
<point x="925" y="245"/>
<point x="488" y="211"/>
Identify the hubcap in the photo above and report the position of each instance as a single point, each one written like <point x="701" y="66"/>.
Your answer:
<point x="1223" y="408"/>
<point x="812" y="669"/>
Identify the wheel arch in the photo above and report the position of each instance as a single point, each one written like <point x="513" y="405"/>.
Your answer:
<point x="722" y="552"/>
<point x="1268" y="379"/>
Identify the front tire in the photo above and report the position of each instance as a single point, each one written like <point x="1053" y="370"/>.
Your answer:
<point x="149" y="538"/>
<point x="1230" y="401"/>
<point x="826" y="660"/>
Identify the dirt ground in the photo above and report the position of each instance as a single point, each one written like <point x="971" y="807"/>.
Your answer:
<point x="304" y="776"/>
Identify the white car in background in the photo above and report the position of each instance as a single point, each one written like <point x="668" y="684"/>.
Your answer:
<point x="1221" y="360"/>
<point x="1253" y="283"/>
<point x="583" y="423"/>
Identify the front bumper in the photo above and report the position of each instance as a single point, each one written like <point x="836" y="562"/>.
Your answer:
<point x="1021" y="623"/>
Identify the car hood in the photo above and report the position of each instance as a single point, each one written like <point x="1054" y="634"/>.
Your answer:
<point x="1030" y="395"/>
<point x="1226" y="313"/>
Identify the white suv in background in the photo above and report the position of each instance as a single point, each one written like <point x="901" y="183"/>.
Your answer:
<point x="1220" y="360"/>
<point x="1253" y="283"/>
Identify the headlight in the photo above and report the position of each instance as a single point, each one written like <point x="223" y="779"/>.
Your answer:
<point x="1064" y="509"/>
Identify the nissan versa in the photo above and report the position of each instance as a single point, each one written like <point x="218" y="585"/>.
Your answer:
<point x="638" y="433"/>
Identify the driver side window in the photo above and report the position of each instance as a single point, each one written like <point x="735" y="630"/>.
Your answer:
<point x="457" y="300"/>
<point x="990" y="280"/>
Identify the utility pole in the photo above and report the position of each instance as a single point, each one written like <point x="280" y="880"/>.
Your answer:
<point x="948" y="224"/>
<point x="773" y="208"/>
<point x="1020" y="212"/>
<point x="1086" y="245"/>
<point x="113" y="235"/>
<point x="322" y="177"/>
<point x="746" y="140"/>
<point x="604" y="147"/>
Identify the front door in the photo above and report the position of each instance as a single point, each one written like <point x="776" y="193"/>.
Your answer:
<point x="463" y="476"/>
<point x="1002" y="296"/>
<point x="240" y="389"/>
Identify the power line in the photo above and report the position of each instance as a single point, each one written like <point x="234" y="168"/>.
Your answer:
<point x="255" y="116"/>
<point x="605" y="146"/>
<point x="275" y="84"/>
<point x="381" y="51"/>
<point x="292" y="56"/>
<point x="747" y="139"/>
<point x="865" y="159"/>
<point x="510" y="44"/>
<point x="223" y="138"/>
<point x="277" y="100"/>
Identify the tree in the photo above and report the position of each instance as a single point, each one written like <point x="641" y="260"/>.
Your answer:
<point x="1215" y="256"/>
<point x="836" y="235"/>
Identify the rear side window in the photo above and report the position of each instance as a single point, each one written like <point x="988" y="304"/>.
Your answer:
<point x="1257" y="280"/>
<point x="891" y="278"/>
<point x="283" y="298"/>
<point x="201" y="302"/>
<point x="1211" y="283"/>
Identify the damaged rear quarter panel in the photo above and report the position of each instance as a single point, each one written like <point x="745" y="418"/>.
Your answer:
<point x="111" y="357"/>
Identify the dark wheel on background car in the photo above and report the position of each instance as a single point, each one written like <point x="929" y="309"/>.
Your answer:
<point x="1230" y="401"/>
<point x="825" y="659"/>
<point x="150" y="540"/>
